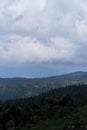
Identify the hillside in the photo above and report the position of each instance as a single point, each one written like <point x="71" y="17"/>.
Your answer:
<point x="58" y="109"/>
<point x="12" y="88"/>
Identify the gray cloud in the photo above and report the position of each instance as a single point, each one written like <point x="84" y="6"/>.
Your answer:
<point x="43" y="31"/>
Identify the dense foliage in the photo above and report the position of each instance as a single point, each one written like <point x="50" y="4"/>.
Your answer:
<point x="12" y="88"/>
<point x="58" y="109"/>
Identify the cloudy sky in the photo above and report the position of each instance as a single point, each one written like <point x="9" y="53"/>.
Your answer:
<point x="42" y="37"/>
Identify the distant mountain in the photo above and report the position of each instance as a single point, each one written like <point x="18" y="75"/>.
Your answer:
<point x="13" y="88"/>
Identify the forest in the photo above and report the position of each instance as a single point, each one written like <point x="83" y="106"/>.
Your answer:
<point x="15" y="88"/>
<point x="58" y="109"/>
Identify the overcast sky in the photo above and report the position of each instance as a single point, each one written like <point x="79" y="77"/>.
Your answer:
<point x="42" y="37"/>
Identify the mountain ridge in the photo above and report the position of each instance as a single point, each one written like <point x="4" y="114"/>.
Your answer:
<point x="14" y="88"/>
<point x="69" y="73"/>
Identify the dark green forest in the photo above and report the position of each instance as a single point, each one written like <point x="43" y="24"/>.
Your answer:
<point x="58" y="109"/>
<point x="14" y="88"/>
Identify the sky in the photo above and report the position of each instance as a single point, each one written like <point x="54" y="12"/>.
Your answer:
<point x="42" y="37"/>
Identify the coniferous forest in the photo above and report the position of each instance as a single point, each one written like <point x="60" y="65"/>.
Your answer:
<point x="58" y="109"/>
<point x="43" y="64"/>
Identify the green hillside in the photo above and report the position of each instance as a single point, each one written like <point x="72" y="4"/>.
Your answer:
<point x="12" y="88"/>
<point x="64" y="110"/>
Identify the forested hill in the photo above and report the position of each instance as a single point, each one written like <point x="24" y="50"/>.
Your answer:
<point x="12" y="88"/>
<point x="59" y="109"/>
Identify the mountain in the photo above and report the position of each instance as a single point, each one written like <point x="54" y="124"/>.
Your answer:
<point x="13" y="88"/>
<point x="57" y="109"/>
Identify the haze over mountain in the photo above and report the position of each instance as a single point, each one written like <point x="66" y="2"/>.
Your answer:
<point x="11" y="88"/>
<point x="43" y="45"/>
<point x="34" y="42"/>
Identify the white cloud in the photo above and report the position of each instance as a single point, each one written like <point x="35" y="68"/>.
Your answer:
<point x="43" y="31"/>
<point x="26" y="49"/>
